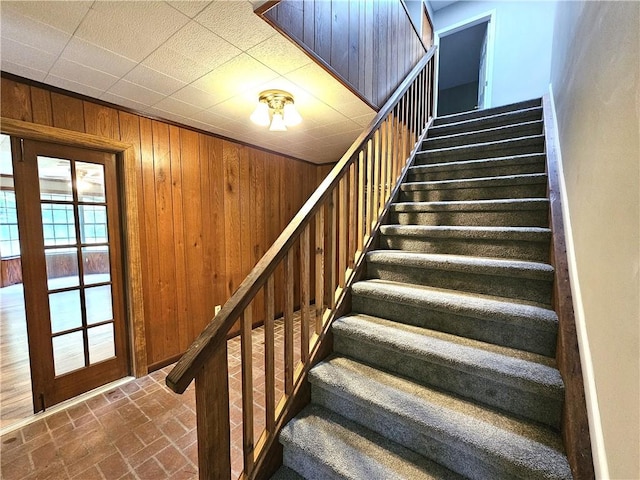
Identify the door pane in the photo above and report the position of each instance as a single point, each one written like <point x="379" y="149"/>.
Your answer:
<point x="68" y="352"/>
<point x="98" y="304"/>
<point x="62" y="267"/>
<point x="90" y="182"/>
<point x="101" y="343"/>
<point x="58" y="224"/>
<point x="94" y="224"/>
<point x="55" y="179"/>
<point x="65" y="310"/>
<point x="95" y="261"/>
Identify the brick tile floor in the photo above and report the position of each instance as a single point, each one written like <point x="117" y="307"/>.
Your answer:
<point x="140" y="430"/>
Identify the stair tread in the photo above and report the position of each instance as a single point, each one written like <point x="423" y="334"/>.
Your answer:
<point x="468" y="304"/>
<point x="335" y="442"/>
<point x="508" y="160"/>
<point x="493" y="145"/>
<point x="489" y="118"/>
<point x="488" y="112"/>
<point x="477" y="182"/>
<point x="488" y="233"/>
<point x="463" y="263"/>
<point x="510" y="366"/>
<point x="472" y="205"/>
<point x="493" y="436"/>
<point x="485" y="131"/>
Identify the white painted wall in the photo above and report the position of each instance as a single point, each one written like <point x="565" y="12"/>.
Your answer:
<point x="596" y="86"/>
<point x="523" y="35"/>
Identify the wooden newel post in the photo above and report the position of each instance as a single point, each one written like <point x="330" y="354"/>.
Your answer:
<point x="212" y="407"/>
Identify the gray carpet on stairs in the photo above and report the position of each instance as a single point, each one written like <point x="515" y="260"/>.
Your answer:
<point x="445" y="367"/>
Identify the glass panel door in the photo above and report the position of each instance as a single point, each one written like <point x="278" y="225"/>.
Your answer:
<point x="77" y="322"/>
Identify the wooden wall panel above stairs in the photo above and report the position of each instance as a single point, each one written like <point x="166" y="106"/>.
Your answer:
<point x="446" y="365"/>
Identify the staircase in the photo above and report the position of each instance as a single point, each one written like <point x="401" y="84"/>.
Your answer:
<point x="445" y="366"/>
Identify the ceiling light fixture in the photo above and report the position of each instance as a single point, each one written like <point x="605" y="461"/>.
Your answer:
<point x="276" y="108"/>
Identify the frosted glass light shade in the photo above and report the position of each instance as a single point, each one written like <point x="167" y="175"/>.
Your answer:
<point x="260" y="115"/>
<point x="277" y="124"/>
<point x="291" y="115"/>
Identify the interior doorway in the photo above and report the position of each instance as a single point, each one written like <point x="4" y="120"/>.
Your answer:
<point x="465" y="65"/>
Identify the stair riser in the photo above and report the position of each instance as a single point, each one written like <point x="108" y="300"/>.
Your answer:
<point x="515" y="250"/>
<point x="505" y="133"/>
<point x="432" y="444"/>
<point x="306" y="465"/>
<point x="484" y="329"/>
<point x="484" y="123"/>
<point x="517" y="218"/>
<point x="538" y="190"/>
<point x="525" y="401"/>
<point x="538" y="291"/>
<point x="486" y="113"/>
<point x="475" y="172"/>
<point x="523" y="146"/>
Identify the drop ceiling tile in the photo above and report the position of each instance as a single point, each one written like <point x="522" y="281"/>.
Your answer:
<point x="244" y="31"/>
<point x="315" y="79"/>
<point x="364" y="120"/>
<point x="355" y="108"/>
<point x="80" y="74"/>
<point x="21" y="54"/>
<point x="240" y="75"/>
<point x="345" y="127"/>
<point x="65" y="16"/>
<point x="177" y="107"/>
<point x="163" y="114"/>
<point x="279" y="54"/>
<point x="195" y="96"/>
<point x="131" y="29"/>
<point x="22" y="29"/>
<point x="216" y="119"/>
<point x="72" y="86"/>
<point x="96" y="57"/>
<point x="123" y="102"/>
<point x="135" y="92"/>
<point x="22" y="70"/>
<point x="190" y="8"/>
<point x="153" y="80"/>
<point x="191" y="54"/>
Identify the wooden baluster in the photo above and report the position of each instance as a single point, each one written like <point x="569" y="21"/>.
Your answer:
<point x="376" y="178"/>
<point x="304" y="294"/>
<point x="361" y="200"/>
<point x="370" y="187"/>
<point x="319" y="268"/>
<point x="383" y="166"/>
<point x="353" y="212"/>
<point x="289" y="282"/>
<point x="269" y="357"/>
<point x="246" y="355"/>
<point x="343" y="234"/>
<point x="212" y="417"/>
<point x="389" y="163"/>
<point x="333" y="241"/>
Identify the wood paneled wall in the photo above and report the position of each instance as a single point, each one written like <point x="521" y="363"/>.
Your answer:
<point x="209" y="207"/>
<point x="369" y="46"/>
<point x="10" y="271"/>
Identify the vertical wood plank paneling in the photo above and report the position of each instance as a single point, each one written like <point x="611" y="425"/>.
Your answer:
<point x="322" y="33"/>
<point x="258" y="233"/>
<point x="41" y="106"/>
<point x="217" y="213"/>
<point x="207" y="153"/>
<point x="340" y="36"/>
<point x="232" y="218"/>
<point x="16" y="100"/>
<point x="101" y="120"/>
<point x="354" y="46"/>
<point x="68" y="112"/>
<point x="308" y="15"/>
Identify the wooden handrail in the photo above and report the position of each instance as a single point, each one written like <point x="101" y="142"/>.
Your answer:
<point x="216" y="331"/>
<point x="344" y="214"/>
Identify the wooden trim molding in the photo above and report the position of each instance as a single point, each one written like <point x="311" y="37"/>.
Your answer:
<point x="575" y="422"/>
<point x="131" y="236"/>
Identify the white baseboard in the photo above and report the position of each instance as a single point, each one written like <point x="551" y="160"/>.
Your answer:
<point x="593" y="411"/>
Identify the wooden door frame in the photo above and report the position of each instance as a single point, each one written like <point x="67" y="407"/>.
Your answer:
<point x="126" y="161"/>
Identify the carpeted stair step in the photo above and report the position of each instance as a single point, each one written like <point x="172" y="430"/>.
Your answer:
<point x="489" y="112"/>
<point x="527" y="281"/>
<point x="321" y="445"/>
<point x="474" y="441"/>
<point x="502" y="148"/>
<point x="483" y="136"/>
<point x="519" y="212"/>
<point x="285" y="473"/>
<point x="491" y="319"/>
<point x="533" y="185"/>
<point x="483" y="168"/>
<point x="516" y="382"/>
<point x="517" y="243"/>
<point x="498" y="120"/>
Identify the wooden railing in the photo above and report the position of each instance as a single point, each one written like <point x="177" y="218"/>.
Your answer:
<point x="305" y="274"/>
